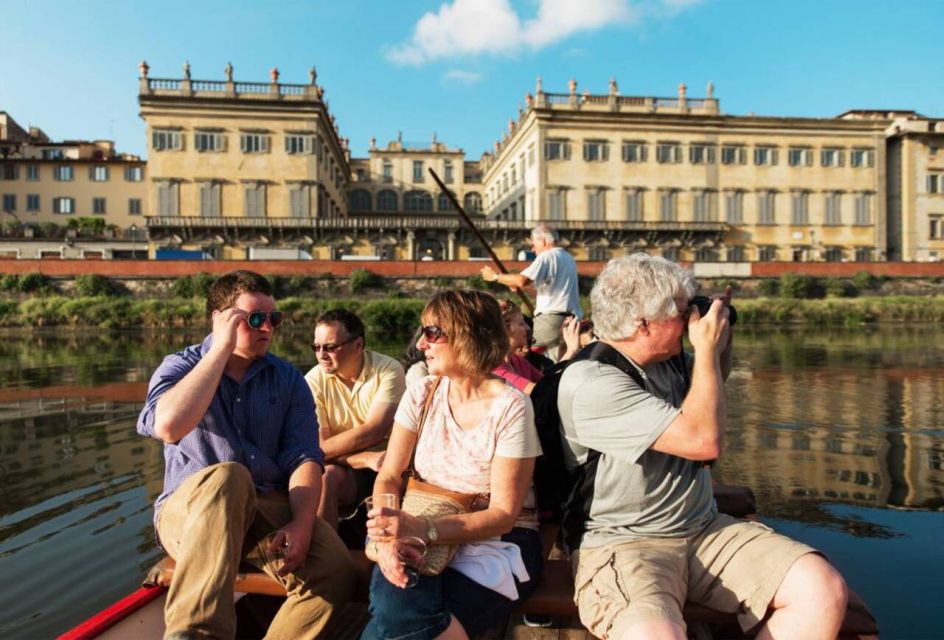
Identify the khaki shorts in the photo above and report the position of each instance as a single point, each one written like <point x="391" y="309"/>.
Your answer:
<point x="732" y="566"/>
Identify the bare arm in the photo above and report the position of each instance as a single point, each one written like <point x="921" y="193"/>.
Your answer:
<point x="339" y="448"/>
<point x="180" y="409"/>
<point x="304" y="492"/>
<point x="698" y="431"/>
<point x="510" y="280"/>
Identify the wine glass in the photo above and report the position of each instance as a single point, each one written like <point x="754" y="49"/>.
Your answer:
<point x="412" y="554"/>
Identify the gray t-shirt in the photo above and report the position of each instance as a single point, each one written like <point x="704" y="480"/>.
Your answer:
<point x="637" y="492"/>
<point x="554" y="274"/>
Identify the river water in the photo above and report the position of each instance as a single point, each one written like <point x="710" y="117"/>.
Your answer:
<point x="839" y="433"/>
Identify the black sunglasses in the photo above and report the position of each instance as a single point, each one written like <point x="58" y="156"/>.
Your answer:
<point x="433" y="333"/>
<point x="331" y="348"/>
<point x="257" y="318"/>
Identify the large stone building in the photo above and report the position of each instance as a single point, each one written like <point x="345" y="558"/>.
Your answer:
<point x="260" y="170"/>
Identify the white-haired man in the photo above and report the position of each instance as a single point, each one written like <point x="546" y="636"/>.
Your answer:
<point x="644" y="531"/>
<point x="554" y="274"/>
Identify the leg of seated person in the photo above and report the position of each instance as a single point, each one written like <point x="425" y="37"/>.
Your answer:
<point x="416" y="613"/>
<point x="454" y="631"/>
<point x="810" y="602"/>
<point x="337" y="488"/>
<point x="202" y="526"/>
<point x="633" y="589"/>
<point x="318" y="587"/>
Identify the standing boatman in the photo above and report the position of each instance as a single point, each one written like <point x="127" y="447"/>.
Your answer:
<point x="554" y="274"/>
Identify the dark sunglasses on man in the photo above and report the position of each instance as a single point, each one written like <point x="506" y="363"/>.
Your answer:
<point x="256" y="319"/>
<point x="331" y="348"/>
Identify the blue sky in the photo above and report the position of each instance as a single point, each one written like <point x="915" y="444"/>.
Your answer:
<point x="461" y="67"/>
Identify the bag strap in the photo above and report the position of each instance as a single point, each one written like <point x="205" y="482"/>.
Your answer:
<point x="411" y="470"/>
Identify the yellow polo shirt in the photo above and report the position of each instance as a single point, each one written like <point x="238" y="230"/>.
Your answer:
<point x="340" y="408"/>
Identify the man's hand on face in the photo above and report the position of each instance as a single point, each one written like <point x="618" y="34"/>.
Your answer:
<point x="225" y="325"/>
<point x="709" y="334"/>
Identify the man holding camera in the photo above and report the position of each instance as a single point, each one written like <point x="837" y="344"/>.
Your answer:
<point x="643" y="528"/>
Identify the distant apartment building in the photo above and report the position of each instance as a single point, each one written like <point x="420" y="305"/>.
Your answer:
<point x="68" y="199"/>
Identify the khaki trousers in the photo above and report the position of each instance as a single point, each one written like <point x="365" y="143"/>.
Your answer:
<point x="216" y="519"/>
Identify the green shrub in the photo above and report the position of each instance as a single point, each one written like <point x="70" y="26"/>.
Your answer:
<point x="478" y="282"/>
<point x="839" y="288"/>
<point x="395" y="317"/>
<point x="798" y="286"/>
<point x="298" y="284"/>
<point x="97" y="285"/>
<point x="443" y="283"/>
<point x="769" y="287"/>
<point x="865" y="281"/>
<point x="9" y="282"/>
<point x="202" y="283"/>
<point x="33" y="282"/>
<point x="182" y="287"/>
<point x="362" y="279"/>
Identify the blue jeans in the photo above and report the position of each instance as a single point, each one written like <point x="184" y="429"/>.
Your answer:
<point x="424" y="611"/>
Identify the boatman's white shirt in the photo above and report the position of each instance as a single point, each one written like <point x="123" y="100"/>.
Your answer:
<point x="554" y="273"/>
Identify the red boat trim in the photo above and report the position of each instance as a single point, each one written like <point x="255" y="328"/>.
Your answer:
<point x="94" y="626"/>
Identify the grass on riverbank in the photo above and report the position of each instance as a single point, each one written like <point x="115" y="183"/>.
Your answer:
<point x="399" y="316"/>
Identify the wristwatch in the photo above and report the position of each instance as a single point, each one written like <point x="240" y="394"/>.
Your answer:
<point x="431" y="533"/>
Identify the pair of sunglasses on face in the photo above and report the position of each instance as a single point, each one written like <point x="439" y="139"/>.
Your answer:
<point x="256" y="319"/>
<point x="433" y="333"/>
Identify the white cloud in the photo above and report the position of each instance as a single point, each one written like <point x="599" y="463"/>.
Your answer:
<point x="476" y="27"/>
<point x="462" y="77"/>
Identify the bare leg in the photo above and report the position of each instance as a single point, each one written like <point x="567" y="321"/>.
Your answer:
<point x="654" y="629"/>
<point x="338" y="488"/>
<point x="810" y="602"/>
<point x="454" y="631"/>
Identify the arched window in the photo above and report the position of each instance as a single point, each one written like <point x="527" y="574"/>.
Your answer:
<point x="387" y="200"/>
<point x="359" y="200"/>
<point x="444" y="205"/>
<point x="417" y="201"/>
<point x="473" y="202"/>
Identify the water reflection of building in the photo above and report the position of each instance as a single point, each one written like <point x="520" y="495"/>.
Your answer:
<point x="854" y="436"/>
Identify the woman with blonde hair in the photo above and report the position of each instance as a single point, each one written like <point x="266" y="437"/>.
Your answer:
<point x="478" y="437"/>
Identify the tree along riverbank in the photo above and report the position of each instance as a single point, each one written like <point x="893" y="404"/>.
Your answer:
<point x="399" y="316"/>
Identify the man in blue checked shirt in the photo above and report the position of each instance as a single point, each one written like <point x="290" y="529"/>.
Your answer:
<point x="242" y="476"/>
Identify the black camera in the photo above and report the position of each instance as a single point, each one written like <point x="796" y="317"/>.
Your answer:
<point x="704" y="303"/>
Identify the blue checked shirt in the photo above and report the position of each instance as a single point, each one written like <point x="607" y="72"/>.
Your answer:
<point x="266" y="422"/>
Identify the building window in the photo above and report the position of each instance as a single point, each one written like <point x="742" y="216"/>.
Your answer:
<point x="668" y="153"/>
<point x="766" y="212"/>
<point x="98" y="206"/>
<point x="443" y="204"/>
<point x="706" y="254"/>
<point x="531" y="155"/>
<point x="166" y="140"/>
<point x="255" y="200"/>
<point x="734" y="207"/>
<point x="667" y="205"/>
<point x="634" y="202"/>
<point x="32" y="172"/>
<point x="863" y="209"/>
<point x="52" y="154"/>
<point x="296" y="143"/>
<point x="800" y="210"/>
<point x="702" y="211"/>
<point x="832" y="157"/>
<point x="596" y="204"/>
<point x="766" y="254"/>
<point x="733" y="154"/>
<point x="359" y="200"/>
<point x="765" y="156"/>
<point x="635" y="151"/>
<point x="557" y="150"/>
<point x="134" y="206"/>
<point x="800" y="157"/>
<point x="63" y="205"/>
<point x="253" y="143"/>
<point x="9" y="202"/>
<point x="387" y="171"/>
<point x="936" y="227"/>
<point x="701" y="153"/>
<point x="448" y="172"/>
<point x="210" y="197"/>
<point x="417" y="201"/>
<point x="32" y="202"/>
<point x="935" y="183"/>
<point x="556" y="204"/>
<point x="63" y="173"/>
<point x="299" y="201"/>
<point x="671" y="253"/>
<point x="863" y="254"/>
<point x="862" y="158"/>
<point x="833" y="254"/>
<point x="134" y="174"/>
<point x="417" y="171"/>
<point x="596" y="150"/>
<point x="512" y="211"/>
<point x="387" y="200"/>
<point x="98" y="173"/>
<point x="833" y="209"/>
<point x="473" y="202"/>
<point x="9" y="171"/>
<point x="167" y="201"/>
<point x="735" y="254"/>
<point x="208" y="141"/>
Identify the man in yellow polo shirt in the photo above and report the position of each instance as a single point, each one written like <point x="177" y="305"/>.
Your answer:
<point x="356" y="393"/>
